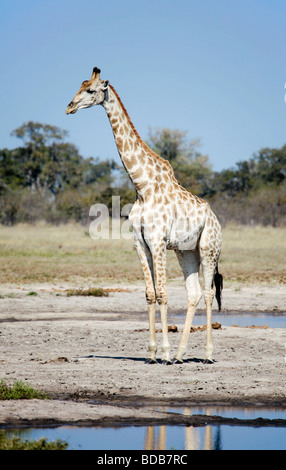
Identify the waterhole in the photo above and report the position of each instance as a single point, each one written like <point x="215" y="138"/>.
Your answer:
<point x="242" y="319"/>
<point x="264" y="429"/>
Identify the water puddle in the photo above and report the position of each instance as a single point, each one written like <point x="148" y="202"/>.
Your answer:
<point x="268" y="319"/>
<point x="177" y="437"/>
<point x="242" y="319"/>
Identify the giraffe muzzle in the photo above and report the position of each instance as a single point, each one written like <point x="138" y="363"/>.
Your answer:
<point x="71" y="109"/>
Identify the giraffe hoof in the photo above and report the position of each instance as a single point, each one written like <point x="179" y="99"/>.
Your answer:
<point x="177" y="361"/>
<point x="166" y="362"/>
<point x="150" y="361"/>
<point x="208" y="361"/>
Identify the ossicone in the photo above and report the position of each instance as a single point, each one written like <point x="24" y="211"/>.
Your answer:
<point x="96" y="71"/>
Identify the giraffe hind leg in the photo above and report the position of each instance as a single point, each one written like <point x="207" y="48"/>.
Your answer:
<point x="189" y="262"/>
<point x="212" y="286"/>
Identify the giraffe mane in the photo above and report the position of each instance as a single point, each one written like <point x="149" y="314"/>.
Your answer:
<point x="145" y="146"/>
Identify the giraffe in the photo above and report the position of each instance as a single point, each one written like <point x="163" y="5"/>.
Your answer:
<point x="165" y="216"/>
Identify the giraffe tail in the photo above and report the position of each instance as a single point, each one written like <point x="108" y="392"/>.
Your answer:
<point x="218" y="282"/>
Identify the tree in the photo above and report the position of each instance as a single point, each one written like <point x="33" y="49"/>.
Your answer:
<point x="38" y="135"/>
<point x="34" y="158"/>
<point x="271" y="165"/>
<point x="11" y="174"/>
<point x="99" y="170"/>
<point x="48" y="164"/>
<point x="46" y="178"/>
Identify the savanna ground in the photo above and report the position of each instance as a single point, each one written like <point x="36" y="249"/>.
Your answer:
<point x="78" y="348"/>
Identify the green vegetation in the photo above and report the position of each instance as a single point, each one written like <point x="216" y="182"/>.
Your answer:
<point x="15" y="443"/>
<point x="47" y="179"/>
<point x="19" y="391"/>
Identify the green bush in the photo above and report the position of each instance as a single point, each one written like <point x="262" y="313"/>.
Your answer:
<point x="19" y="391"/>
<point x="15" y="443"/>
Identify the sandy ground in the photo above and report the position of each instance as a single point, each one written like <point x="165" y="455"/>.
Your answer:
<point x="88" y="354"/>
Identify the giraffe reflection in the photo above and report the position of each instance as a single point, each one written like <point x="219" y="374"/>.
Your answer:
<point x="158" y="440"/>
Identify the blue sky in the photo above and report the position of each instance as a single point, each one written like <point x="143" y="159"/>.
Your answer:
<point x="215" y="68"/>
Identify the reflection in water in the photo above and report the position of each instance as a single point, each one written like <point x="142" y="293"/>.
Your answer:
<point x="157" y="441"/>
<point x="218" y="437"/>
<point x="174" y="437"/>
<point x="218" y="440"/>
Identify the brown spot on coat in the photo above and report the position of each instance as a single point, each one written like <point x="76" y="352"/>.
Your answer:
<point x="137" y="173"/>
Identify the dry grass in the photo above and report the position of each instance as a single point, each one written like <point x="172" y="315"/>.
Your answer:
<point x="45" y="253"/>
<point x="90" y="292"/>
<point x="254" y="254"/>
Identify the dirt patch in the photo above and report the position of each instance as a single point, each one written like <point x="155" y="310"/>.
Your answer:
<point x="89" y="353"/>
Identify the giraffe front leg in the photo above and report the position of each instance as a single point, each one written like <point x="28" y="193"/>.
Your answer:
<point x="166" y="359"/>
<point x="147" y="266"/>
<point x="152" y="347"/>
<point x="159" y="261"/>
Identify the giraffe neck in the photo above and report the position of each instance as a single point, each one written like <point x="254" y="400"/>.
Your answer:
<point x="134" y="153"/>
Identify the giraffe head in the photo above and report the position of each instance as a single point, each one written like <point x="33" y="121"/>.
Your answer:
<point x="91" y="92"/>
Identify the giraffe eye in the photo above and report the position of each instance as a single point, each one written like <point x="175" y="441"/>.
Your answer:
<point x="91" y="92"/>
